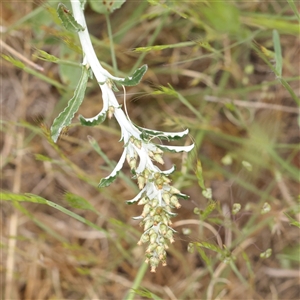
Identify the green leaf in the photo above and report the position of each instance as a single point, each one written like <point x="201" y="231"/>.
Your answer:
<point x="294" y="8"/>
<point x="78" y="202"/>
<point x="135" y="78"/>
<point x="204" y="256"/>
<point x="293" y="221"/>
<point x="43" y="55"/>
<point x="199" y="175"/>
<point x="69" y="74"/>
<point x="65" y="117"/>
<point x="209" y="246"/>
<point x="37" y="199"/>
<point x="67" y="19"/>
<point x="93" y="121"/>
<point x="41" y="157"/>
<point x="278" y="56"/>
<point x="15" y="62"/>
<point x="176" y="149"/>
<point x="170" y="136"/>
<point x="211" y="206"/>
<point x="223" y="16"/>
<point x="143" y="292"/>
<point x="105" y="6"/>
<point x="183" y="196"/>
<point x="104" y="182"/>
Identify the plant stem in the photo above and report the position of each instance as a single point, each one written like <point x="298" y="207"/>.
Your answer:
<point x="137" y="281"/>
<point x="111" y="41"/>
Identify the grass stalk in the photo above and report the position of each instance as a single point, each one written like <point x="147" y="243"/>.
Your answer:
<point x="137" y="281"/>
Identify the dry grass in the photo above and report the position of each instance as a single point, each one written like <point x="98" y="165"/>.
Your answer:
<point x="47" y="254"/>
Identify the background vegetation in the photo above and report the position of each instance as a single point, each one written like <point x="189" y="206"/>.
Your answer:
<point x="215" y="68"/>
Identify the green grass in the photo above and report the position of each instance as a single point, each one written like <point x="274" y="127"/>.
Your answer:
<point x="64" y="238"/>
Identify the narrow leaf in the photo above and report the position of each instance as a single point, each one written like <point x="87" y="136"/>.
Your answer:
<point x="135" y="78"/>
<point x="43" y="55"/>
<point x="199" y="175"/>
<point x="176" y="149"/>
<point x="294" y="8"/>
<point x="67" y="19"/>
<point x="109" y="179"/>
<point x="278" y="56"/>
<point x="65" y="117"/>
<point x="136" y="198"/>
<point x="209" y="246"/>
<point x="37" y="199"/>
<point x="105" y="6"/>
<point x="170" y="171"/>
<point x="15" y="62"/>
<point x="78" y="202"/>
<point x="95" y="120"/>
<point x="183" y="196"/>
<point x="148" y="133"/>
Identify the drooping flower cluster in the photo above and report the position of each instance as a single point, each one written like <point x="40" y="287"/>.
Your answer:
<point x="156" y="193"/>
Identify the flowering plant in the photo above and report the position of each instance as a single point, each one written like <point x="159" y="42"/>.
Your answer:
<point x="156" y="193"/>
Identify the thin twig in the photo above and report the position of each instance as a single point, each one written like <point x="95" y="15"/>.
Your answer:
<point x="15" y="53"/>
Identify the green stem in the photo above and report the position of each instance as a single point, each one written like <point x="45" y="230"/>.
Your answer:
<point x="45" y="78"/>
<point x="238" y="274"/>
<point x="289" y="89"/>
<point x="111" y="41"/>
<point x="137" y="282"/>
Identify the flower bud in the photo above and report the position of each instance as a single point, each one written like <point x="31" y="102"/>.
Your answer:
<point x="160" y="250"/>
<point x="158" y="151"/>
<point x="158" y="158"/>
<point x="161" y="240"/>
<point x="148" y="224"/>
<point x="143" y="201"/>
<point x="151" y="248"/>
<point x="166" y="179"/>
<point x="165" y="219"/>
<point x="162" y="256"/>
<point x="156" y="219"/>
<point x="146" y="174"/>
<point x="163" y="229"/>
<point x="159" y="183"/>
<point x="150" y="153"/>
<point x="174" y="201"/>
<point x="141" y="181"/>
<point x="154" y="202"/>
<point x="153" y="238"/>
<point x="154" y="261"/>
<point x="166" y="197"/>
<point x="146" y="210"/>
<point x="173" y="190"/>
<point x="131" y="139"/>
<point x="132" y="163"/>
<point x="144" y="239"/>
<point x="151" y="231"/>
<point x="152" y="213"/>
<point x="169" y="235"/>
<point x="138" y="143"/>
<point x="156" y="175"/>
<point x="111" y="111"/>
